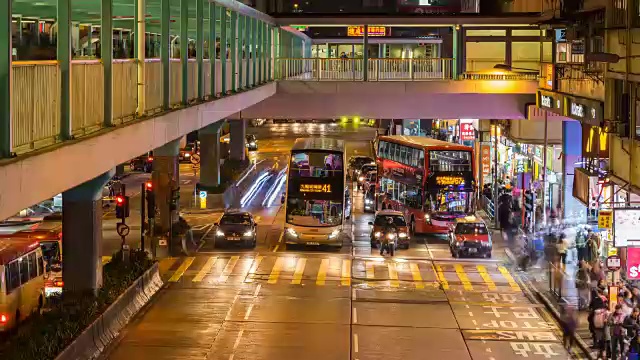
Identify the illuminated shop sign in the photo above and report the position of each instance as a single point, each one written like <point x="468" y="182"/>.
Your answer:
<point x="449" y="180"/>
<point x="550" y="101"/>
<point x="373" y="31"/>
<point x="315" y="188"/>
<point x="586" y="110"/>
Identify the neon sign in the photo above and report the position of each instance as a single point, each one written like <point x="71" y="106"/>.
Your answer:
<point x="449" y="180"/>
<point x="315" y="188"/>
<point x="373" y="31"/>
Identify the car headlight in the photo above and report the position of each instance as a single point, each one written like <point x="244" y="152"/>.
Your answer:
<point x="377" y="234"/>
<point x="368" y="201"/>
<point x="219" y="233"/>
<point x="248" y="233"/>
<point x="334" y="234"/>
<point x="402" y="235"/>
<point x="252" y="144"/>
<point x="187" y="155"/>
<point x="361" y="178"/>
<point x="427" y="219"/>
<point x="292" y="232"/>
<point x="391" y="236"/>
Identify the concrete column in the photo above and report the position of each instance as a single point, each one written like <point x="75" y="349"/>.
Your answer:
<point x="210" y="156"/>
<point x="82" y="235"/>
<point x="571" y="154"/>
<point x="365" y="54"/>
<point x="237" y="132"/>
<point x="165" y="178"/>
<point x="64" y="63"/>
<point x="106" y="54"/>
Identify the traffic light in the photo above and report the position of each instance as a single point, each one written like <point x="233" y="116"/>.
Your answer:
<point x="528" y="200"/>
<point x="175" y="199"/>
<point x="122" y="206"/>
<point x="151" y="200"/>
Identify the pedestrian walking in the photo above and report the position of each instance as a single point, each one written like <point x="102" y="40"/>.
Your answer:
<point x="562" y="248"/>
<point x="583" y="284"/>
<point x="616" y="322"/>
<point x="569" y="326"/>
<point x="632" y="324"/>
<point x="602" y="334"/>
<point x="581" y="244"/>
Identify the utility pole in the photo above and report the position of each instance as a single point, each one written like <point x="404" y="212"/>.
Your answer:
<point x="544" y="170"/>
<point x="495" y="173"/>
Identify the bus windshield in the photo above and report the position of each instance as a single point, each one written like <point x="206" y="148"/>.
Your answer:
<point x="319" y="213"/>
<point x="50" y="251"/>
<point x="451" y="202"/>
<point x="316" y="164"/>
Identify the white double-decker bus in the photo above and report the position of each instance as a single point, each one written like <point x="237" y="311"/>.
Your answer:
<point x="315" y="195"/>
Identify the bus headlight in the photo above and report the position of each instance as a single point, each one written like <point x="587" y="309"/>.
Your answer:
<point x="292" y="232"/>
<point x="334" y="234"/>
<point x="402" y="235"/>
<point x="377" y="234"/>
<point x="219" y="233"/>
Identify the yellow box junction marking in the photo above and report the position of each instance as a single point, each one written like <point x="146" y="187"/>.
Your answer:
<point x="486" y="277"/>
<point x="512" y="282"/>
<point x="275" y="271"/>
<point x="345" y="279"/>
<point x="417" y="278"/>
<point x="254" y="268"/>
<point x="371" y="274"/>
<point x="440" y="275"/>
<point x="463" y="277"/>
<point x="205" y="269"/>
<point x="297" y="275"/>
<point x="181" y="270"/>
<point x="393" y="275"/>
<point x="322" y="272"/>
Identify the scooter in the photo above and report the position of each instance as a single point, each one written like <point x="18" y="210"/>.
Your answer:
<point x="388" y="243"/>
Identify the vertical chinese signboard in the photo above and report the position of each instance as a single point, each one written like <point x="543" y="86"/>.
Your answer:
<point x="485" y="151"/>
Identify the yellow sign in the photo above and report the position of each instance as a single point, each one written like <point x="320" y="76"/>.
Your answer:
<point x="605" y="219"/>
<point x="373" y="31"/>
<point x="315" y="188"/>
<point x="594" y="132"/>
<point x="203" y="203"/>
<point x="613" y="298"/>
<point x="449" y="180"/>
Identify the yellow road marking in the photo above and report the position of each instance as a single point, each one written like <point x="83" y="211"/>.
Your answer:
<point x="371" y="274"/>
<point x="165" y="264"/>
<point x="463" y="277"/>
<point x="106" y="259"/>
<point x="486" y="277"/>
<point x="440" y="275"/>
<point x="183" y="267"/>
<point x="275" y="271"/>
<point x="514" y="285"/>
<point x="254" y="268"/>
<point x="205" y="269"/>
<point x="417" y="278"/>
<point x="345" y="279"/>
<point x="393" y="275"/>
<point x="229" y="268"/>
<point x="322" y="272"/>
<point x="297" y="275"/>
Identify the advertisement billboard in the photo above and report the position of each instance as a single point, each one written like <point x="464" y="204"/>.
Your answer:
<point x="633" y="263"/>
<point x="626" y="223"/>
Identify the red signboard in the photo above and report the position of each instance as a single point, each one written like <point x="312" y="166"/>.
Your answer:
<point x="633" y="263"/>
<point x="486" y="160"/>
<point x="467" y="132"/>
<point x="373" y="30"/>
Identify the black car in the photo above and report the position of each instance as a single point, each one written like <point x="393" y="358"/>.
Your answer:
<point x="252" y="143"/>
<point x="236" y="227"/>
<point x="355" y="164"/>
<point x="142" y="163"/>
<point x="187" y="152"/>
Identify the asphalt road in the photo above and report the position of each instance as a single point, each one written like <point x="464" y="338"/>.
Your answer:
<point x="272" y="304"/>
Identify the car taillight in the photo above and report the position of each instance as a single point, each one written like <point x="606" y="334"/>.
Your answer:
<point x="3" y="319"/>
<point x="58" y="283"/>
<point x="150" y="158"/>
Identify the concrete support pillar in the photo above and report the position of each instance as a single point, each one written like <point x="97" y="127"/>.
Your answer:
<point x="365" y="53"/>
<point x="165" y="177"/>
<point x="64" y="62"/>
<point x="5" y="80"/>
<point x="571" y="154"/>
<point x="82" y="236"/>
<point x="210" y="156"/>
<point x="237" y="133"/>
<point x="106" y="54"/>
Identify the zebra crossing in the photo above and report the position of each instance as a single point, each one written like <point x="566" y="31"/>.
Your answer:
<point x="337" y="271"/>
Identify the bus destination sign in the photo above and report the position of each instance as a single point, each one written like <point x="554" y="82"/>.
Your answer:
<point x="449" y="180"/>
<point x="315" y="188"/>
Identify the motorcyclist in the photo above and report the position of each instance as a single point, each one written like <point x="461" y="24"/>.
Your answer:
<point x="386" y="243"/>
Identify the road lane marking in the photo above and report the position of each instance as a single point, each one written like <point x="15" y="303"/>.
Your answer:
<point x="355" y="343"/>
<point x="246" y="315"/>
<point x="228" y="269"/>
<point x="297" y="275"/>
<point x="181" y="270"/>
<point x="275" y="249"/>
<point x="205" y="269"/>
<point x="275" y="271"/>
<point x="235" y="345"/>
<point x="255" y="293"/>
<point x="505" y="273"/>
<point x="440" y="276"/>
<point x="345" y="278"/>
<point x="415" y="273"/>
<point x="430" y="253"/>
<point x="166" y="264"/>
<point x="353" y="294"/>
<point x="486" y="277"/>
<point x="462" y="275"/>
<point x="354" y="316"/>
<point x="371" y="274"/>
<point x="322" y="272"/>
<point x="393" y="275"/>
<point x="254" y="268"/>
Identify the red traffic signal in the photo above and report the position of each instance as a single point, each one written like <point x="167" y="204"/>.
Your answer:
<point x="148" y="185"/>
<point x="120" y="200"/>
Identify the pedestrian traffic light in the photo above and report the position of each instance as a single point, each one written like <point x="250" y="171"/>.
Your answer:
<point x="151" y="200"/>
<point x="528" y="200"/>
<point x="122" y="206"/>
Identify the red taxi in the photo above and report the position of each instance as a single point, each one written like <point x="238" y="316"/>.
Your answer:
<point x="469" y="236"/>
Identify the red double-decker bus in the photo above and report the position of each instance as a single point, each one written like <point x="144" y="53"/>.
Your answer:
<point x="431" y="181"/>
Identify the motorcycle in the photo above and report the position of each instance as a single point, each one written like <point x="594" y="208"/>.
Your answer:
<point x="388" y="242"/>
